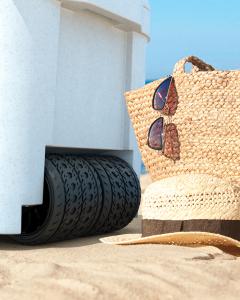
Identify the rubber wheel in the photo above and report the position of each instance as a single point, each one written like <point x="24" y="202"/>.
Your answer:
<point x="38" y="230"/>
<point x="92" y="197"/>
<point x="71" y="203"/>
<point x="131" y="187"/>
<point x="102" y="225"/>
<point x="122" y="185"/>
<point x="83" y="195"/>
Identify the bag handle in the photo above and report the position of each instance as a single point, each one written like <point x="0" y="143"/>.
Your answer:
<point x="198" y="65"/>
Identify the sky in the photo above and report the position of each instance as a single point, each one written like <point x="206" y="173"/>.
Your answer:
<point x="209" y="29"/>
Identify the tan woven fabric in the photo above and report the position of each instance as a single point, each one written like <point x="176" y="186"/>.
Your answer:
<point x="179" y="238"/>
<point x="191" y="196"/>
<point x="207" y="118"/>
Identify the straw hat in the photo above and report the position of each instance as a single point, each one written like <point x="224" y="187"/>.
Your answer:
<point x="189" y="209"/>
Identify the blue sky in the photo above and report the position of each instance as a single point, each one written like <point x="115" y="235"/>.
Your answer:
<point x="209" y="29"/>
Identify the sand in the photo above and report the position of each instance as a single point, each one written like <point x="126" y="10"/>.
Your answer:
<point x="87" y="269"/>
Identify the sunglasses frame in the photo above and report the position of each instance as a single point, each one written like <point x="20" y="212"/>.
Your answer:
<point x="164" y="124"/>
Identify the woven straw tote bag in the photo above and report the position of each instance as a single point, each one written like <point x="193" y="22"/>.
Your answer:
<point x="207" y="119"/>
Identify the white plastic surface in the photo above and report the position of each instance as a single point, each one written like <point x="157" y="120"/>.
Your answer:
<point x="130" y="14"/>
<point x="63" y="72"/>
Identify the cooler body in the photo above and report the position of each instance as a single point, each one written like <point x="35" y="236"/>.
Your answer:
<point x="64" y="67"/>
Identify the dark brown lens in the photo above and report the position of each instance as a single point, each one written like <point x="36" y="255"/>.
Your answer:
<point x="155" y="135"/>
<point x="160" y="95"/>
<point x="171" y="142"/>
<point x="172" y="100"/>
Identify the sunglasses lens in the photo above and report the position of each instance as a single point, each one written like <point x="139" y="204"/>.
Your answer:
<point x="172" y="99"/>
<point x="155" y="137"/>
<point x="160" y="96"/>
<point x="172" y="143"/>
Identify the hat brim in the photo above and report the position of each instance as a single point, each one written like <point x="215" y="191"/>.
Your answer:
<point x="176" y="238"/>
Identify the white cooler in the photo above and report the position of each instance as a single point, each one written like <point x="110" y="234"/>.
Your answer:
<point x="64" y="66"/>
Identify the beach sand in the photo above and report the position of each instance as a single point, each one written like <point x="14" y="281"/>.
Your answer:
<point x="87" y="269"/>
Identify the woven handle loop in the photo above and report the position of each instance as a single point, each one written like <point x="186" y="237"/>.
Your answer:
<point x="198" y="65"/>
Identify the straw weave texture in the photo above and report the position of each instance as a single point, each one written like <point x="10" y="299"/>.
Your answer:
<point x="191" y="196"/>
<point x="177" y="238"/>
<point x="207" y="119"/>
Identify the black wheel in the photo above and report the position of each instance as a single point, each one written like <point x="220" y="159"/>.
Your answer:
<point x="121" y="186"/>
<point x="71" y="204"/>
<point x="73" y="196"/>
<point x="131" y="186"/>
<point x="103" y="225"/>
<point x="83" y="195"/>
<point x="93" y="206"/>
<point x="38" y="230"/>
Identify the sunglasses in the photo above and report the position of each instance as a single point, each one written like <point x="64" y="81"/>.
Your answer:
<point x="164" y="136"/>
